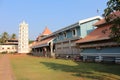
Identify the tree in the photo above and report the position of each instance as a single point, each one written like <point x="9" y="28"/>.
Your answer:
<point x="4" y="37"/>
<point x="30" y="41"/>
<point x="111" y="15"/>
<point x="13" y="36"/>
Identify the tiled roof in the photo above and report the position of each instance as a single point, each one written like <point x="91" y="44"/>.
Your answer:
<point x="32" y="44"/>
<point x="100" y="33"/>
<point x="46" y="31"/>
<point x="11" y="42"/>
<point x="76" y="24"/>
<point x="42" y="43"/>
<point x="102" y="21"/>
<point x="111" y="16"/>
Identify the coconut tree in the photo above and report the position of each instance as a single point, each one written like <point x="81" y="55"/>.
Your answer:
<point x="13" y="36"/>
<point x="4" y="37"/>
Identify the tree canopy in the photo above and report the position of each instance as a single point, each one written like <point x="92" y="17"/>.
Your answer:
<point x="13" y="36"/>
<point x="5" y="36"/>
<point x="110" y="14"/>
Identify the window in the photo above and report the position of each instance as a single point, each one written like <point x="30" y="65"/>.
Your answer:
<point x="57" y="37"/>
<point x="74" y="32"/>
<point x="65" y="35"/>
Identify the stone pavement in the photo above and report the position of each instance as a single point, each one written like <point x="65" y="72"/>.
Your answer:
<point x="5" y="68"/>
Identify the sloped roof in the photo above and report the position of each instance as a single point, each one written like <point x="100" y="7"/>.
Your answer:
<point x="76" y="24"/>
<point x="102" y="21"/>
<point x="100" y="33"/>
<point x="32" y="44"/>
<point x="46" y="31"/>
<point x="42" y="43"/>
<point x="112" y="16"/>
<point x="11" y="42"/>
<point x="89" y="19"/>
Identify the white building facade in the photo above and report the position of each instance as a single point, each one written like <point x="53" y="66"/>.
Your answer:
<point x="23" y="38"/>
<point x="8" y="48"/>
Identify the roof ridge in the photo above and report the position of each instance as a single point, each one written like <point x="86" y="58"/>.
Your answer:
<point x="46" y="31"/>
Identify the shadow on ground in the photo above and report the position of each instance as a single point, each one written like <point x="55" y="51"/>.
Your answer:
<point x="88" y="70"/>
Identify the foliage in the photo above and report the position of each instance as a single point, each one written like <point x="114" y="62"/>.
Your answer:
<point x="13" y="36"/>
<point x="115" y="33"/>
<point x="13" y="52"/>
<point x="5" y="52"/>
<point x="5" y="36"/>
<point x="30" y="41"/>
<point x="113" y="6"/>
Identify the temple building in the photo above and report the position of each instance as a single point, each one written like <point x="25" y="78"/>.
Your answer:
<point x="62" y="42"/>
<point x="98" y="46"/>
<point x="65" y="38"/>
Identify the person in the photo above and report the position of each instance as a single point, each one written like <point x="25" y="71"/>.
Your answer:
<point x="45" y="52"/>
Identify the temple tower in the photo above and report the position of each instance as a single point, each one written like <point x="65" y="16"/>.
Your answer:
<point x="23" y="38"/>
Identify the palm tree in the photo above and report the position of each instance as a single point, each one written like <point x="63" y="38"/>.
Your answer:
<point x="13" y="36"/>
<point x="4" y="37"/>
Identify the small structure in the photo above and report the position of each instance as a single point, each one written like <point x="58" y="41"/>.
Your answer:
<point x="11" y="46"/>
<point x="98" y="46"/>
<point x="23" y="38"/>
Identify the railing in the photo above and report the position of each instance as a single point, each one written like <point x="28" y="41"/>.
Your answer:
<point x="101" y="54"/>
<point x="101" y="57"/>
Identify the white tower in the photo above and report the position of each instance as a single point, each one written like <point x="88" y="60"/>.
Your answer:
<point x="23" y="38"/>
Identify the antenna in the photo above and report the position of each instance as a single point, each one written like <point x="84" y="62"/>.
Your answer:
<point x="97" y="11"/>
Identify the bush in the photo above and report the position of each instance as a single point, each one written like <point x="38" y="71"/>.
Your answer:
<point x="12" y="52"/>
<point x="4" y="52"/>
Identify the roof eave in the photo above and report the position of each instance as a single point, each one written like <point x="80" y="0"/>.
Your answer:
<point x="107" y="38"/>
<point x="89" y="19"/>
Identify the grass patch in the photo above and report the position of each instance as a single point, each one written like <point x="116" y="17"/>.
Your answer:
<point x="36" y="68"/>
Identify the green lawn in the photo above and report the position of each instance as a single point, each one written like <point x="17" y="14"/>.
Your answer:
<point x="36" y="68"/>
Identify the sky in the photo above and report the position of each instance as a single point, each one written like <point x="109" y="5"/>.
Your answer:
<point x="55" y="14"/>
